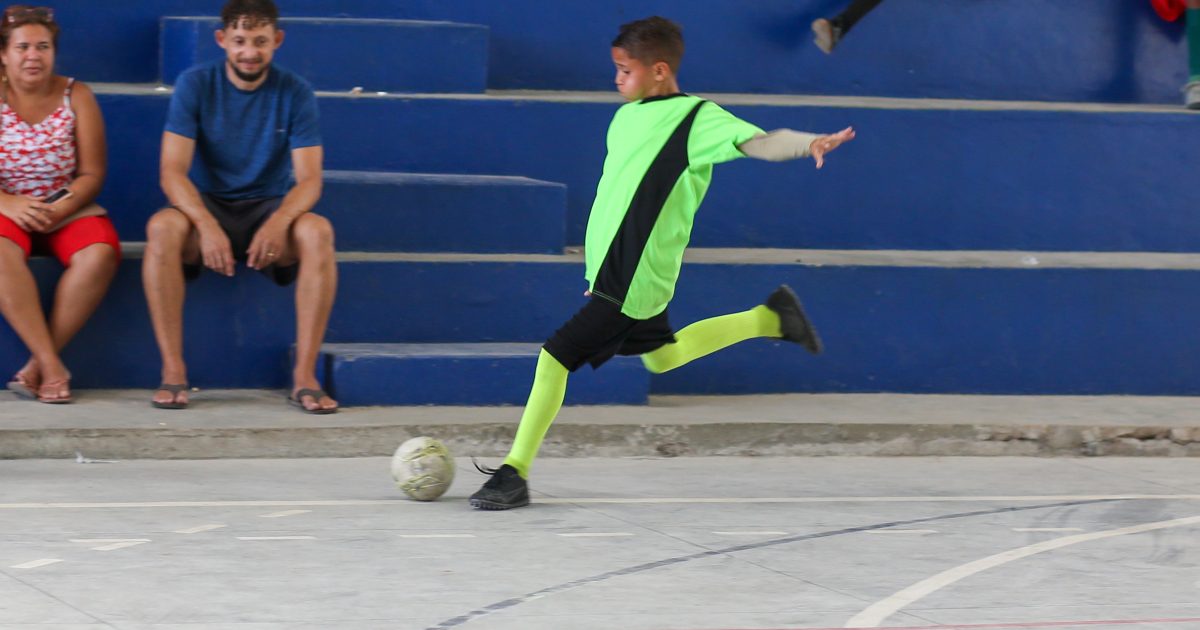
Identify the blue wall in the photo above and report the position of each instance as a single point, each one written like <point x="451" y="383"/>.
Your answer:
<point x="1074" y="50"/>
<point x="912" y="179"/>
<point x="1017" y="331"/>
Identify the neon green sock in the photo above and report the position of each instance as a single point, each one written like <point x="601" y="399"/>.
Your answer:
<point x="707" y="336"/>
<point x="1193" y="38"/>
<point x="545" y="399"/>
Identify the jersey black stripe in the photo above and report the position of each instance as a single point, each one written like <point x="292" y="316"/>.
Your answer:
<point x="616" y="272"/>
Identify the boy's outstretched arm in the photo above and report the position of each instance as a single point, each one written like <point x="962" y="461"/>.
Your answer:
<point x="785" y="144"/>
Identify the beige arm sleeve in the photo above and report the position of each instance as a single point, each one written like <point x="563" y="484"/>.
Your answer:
<point x="778" y="145"/>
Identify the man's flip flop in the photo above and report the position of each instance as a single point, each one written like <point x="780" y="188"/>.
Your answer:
<point x="174" y="390"/>
<point x="297" y="400"/>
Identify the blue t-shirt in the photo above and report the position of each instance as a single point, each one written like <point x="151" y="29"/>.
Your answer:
<point x="243" y="139"/>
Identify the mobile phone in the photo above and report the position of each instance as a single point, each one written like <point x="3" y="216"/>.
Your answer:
<point x="61" y="193"/>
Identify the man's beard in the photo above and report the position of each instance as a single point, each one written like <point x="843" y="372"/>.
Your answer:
<point x="249" y="78"/>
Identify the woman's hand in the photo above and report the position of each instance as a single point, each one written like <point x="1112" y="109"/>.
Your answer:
<point x="28" y="213"/>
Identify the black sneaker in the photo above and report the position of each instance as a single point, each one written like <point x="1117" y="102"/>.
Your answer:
<point x="793" y="321"/>
<point x="504" y="491"/>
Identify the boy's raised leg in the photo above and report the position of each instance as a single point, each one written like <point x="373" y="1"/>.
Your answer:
<point x="782" y="317"/>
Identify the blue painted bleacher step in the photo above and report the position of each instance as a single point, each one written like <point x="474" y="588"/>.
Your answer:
<point x="467" y="374"/>
<point x="413" y="212"/>
<point x="340" y="54"/>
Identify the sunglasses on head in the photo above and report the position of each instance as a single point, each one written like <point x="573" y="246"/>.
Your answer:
<point x="20" y="13"/>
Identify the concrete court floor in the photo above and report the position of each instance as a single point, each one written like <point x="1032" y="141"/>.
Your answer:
<point x="637" y="544"/>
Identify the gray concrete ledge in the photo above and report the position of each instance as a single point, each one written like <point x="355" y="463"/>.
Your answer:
<point x="252" y="423"/>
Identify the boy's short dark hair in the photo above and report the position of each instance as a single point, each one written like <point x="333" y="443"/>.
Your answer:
<point x="249" y="14"/>
<point x="651" y="40"/>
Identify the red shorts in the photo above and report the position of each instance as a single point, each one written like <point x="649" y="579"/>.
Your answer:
<point x="65" y="241"/>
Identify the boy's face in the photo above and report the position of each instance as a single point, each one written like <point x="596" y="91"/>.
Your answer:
<point x="635" y="80"/>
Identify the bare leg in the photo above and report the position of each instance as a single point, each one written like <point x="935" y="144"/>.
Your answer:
<point x="80" y="291"/>
<point x="312" y="244"/>
<point x="171" y="241"/>
<point x="22" y="308"/>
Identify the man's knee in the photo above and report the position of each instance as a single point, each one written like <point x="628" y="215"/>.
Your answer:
<point x="167" y="228"/>
<point x="313" y="233"/>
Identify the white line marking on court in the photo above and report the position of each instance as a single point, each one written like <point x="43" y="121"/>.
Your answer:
<point x="102" y="541"/>
<point x="120" y="545"/>
<point x="276" y="537"/>
<point x="284" y="514"/>
<point x="618" y="500"/>
<point x="36" y="563"/>
<point x="881" y="610"/>
<point x="437" y="535"/>
<point x="1047" y="529"/>
<point x="200" y="528"/>
<point x="911" y="532"/>
<point x="595" y="534"/>
<point x="751" y="533"/>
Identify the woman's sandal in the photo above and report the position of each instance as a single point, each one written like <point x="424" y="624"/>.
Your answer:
<point x="58" y="386"/>
<point x="22" y="388"/>
<point x="174" y="390"/>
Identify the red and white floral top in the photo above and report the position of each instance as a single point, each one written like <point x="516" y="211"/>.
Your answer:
<point x="36" y="160"/>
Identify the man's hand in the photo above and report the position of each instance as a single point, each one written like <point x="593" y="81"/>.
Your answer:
<point x="825" y="144"/>
<point x="268" y="242"/>
<point x="215" y="249"/>
<point x="23" y="211"/>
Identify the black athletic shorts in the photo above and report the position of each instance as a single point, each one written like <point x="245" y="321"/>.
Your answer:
<point x="600" y="331"/>
<point x="240" y="219"/>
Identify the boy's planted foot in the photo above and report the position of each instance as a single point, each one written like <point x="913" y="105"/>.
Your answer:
<point x="792" y="320"/>
<point x="504" y="491"/>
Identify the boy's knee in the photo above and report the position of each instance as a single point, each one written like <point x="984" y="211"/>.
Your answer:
<point x="656" y="362"/>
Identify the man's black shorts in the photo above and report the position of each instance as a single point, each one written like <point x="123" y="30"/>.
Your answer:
<point x="240" y="219"/>
<point x="599" y="331"/>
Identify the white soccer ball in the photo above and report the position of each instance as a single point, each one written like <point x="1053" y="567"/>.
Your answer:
<point x="423" y="468"/>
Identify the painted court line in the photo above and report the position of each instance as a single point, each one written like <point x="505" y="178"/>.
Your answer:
<point x="595" y="534"/>
<point x="513" y="602"/>
<point x="1030" y="625"/>
<point x="615" y="500"/>
<point x="751" y="533"/>
<point x="284" y="514"/>
<point x="200" y="528"/>
<point x="101" y="541"/>
<point x="33" y="564"/>
<point x="120" y="545"/>
<point x="881" y="610"/>
<point x="1047" y="529"/>
<point x="276" y="537"/>
<point x="111" y="544"/>
<point x="437" y="535"/>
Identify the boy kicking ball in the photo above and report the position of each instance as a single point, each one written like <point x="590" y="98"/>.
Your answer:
<point x="662" y="146"/>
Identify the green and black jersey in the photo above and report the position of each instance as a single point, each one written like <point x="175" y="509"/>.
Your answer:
<point x="661" y="151"/>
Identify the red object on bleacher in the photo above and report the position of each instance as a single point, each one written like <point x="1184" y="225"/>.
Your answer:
<point x="1169" y="10"/>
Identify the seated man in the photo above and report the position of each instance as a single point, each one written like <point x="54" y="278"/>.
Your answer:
<point x="247" y="122"/>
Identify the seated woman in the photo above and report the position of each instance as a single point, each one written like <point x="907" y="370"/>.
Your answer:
<point x="52" y="166"/>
